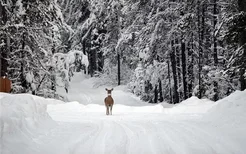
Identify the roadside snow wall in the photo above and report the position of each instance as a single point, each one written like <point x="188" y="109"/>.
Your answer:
<point x="21" y="117"/>
<point x="231" y="109"/>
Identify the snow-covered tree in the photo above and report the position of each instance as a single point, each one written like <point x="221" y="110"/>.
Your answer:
<point x="29" y="31"/>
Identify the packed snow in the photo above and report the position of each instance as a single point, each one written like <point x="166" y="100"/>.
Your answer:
<point x="35" y="125"/>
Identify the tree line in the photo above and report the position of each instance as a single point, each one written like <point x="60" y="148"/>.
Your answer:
<point x="164" y="50"/>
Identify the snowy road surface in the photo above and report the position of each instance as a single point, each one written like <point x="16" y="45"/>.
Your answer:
<point x="136" y="133"/>
<point x="134" y="128"/>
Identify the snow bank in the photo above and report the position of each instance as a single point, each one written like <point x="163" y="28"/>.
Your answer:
<point x="21" y="116"/>
<point x="229" y="116"/>
<point x="191" y="105"/>
<point x="231" y="109"/>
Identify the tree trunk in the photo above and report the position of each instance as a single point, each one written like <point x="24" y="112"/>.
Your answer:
<point x="118" y="59"/>
<point x="155" y="94"/>
<point x="100" y="61"/>
<point x="169" y="80"/>
<point x="93" y="62"/>
<point x="216" y="95"/>
<point x="175" y="77"/>
<point x="205" y="36"/>
<point x="160" y="91"/>
<point x="190" y="66"/>
<point x="3" y="57"/>
<point x="184" y="68"/>
<point x="214" y="36"/>
<point x="53" y="77"/>
<point x="84" y="46"/>
<point x="200" y="36"/>
<point x="84" y="52"/>
<point x="3" y="14"/>
<point x="22" y="75"/>
<point x="178" y="66"/>
<point x="3" y="39"/>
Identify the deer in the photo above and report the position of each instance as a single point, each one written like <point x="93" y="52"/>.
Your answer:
<point x="109" y="102"/>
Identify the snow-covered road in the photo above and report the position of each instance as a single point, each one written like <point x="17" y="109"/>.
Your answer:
<point x="133" y="133"/>
<point x="136" y="127"/>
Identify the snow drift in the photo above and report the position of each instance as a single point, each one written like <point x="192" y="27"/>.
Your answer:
<point x="21" y="117"/>
<point x="191" y="105"/>
<point x="230" y="109"/>
<point x="229" y="116"/>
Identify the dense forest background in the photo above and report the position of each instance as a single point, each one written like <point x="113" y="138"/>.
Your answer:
<point x="164" y="50"/>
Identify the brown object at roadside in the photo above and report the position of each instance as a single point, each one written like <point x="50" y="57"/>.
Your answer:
<point x="5" y="85"/>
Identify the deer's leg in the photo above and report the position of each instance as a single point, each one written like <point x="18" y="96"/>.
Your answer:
<point x="107" y="110"/>
<point x="111" y="106"/>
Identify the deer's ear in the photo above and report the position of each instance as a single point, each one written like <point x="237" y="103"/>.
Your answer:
<point x="106" y="89"/>
<point x="112" y="89"/>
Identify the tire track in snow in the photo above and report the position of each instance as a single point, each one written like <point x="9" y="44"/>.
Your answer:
<point x="129" y="133"/>
<point x="159" y="145"/>
<point x="82" y="139"/>
<point x="88" y="138"/>
<point x="139" y="138"/>
<point x="116" y="139"/>
<point x="110" y="138"/>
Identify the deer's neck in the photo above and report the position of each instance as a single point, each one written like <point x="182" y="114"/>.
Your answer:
<point x="109" y="95"/>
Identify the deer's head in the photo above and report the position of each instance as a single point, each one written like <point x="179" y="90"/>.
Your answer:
<point x="109" y="91"/>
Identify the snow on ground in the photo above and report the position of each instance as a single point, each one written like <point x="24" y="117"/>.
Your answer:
<point x="231" y="108"/>
<point x="21" y="116"/>
<point x="31" y="124"/>
<point x="192" y="105"/>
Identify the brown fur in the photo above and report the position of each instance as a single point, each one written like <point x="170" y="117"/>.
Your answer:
<point x="109" y="102"/>
<point x="5" y="85"/>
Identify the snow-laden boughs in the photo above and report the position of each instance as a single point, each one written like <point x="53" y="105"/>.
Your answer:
<point x="29" y="35"/>
<point x="138" y="79"/>
<point x="66" y="64"/>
